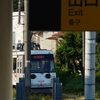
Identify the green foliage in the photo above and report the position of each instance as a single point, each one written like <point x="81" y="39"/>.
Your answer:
<point x="70" y="50"/>
<point x="98" y="63"/>
<point x="97" y="95"/>
<point x="98" y="78"/>
<point x="74" y="84"/>
<point x="98" y="54"/>
<point x="15" y="5"/>
<point x="63" y="74"/>
<point x="98" y="71"/>
<point x="40" y="97"/>
<point x="98" y="37"/>
<point x="14" y="93"/>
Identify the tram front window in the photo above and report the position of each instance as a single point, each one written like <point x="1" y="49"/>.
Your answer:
<point x="44" y="63"/>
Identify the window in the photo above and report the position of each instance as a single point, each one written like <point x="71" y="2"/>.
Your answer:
<point x="42" y="63"/>
<point x="17" y="70"/>
<point x="20" y="64"/>
<point x="20" y="70"/>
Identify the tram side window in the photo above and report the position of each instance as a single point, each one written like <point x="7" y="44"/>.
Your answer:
<point x="20" y="70"/>
<point x="20" y="64"/>
<point x="14" y="64"/>
<point x="17" y="70"/>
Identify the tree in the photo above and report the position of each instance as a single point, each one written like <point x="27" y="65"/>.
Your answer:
<point x="98" y="37"/>
<point x="97" y="50"/>
<point x="69" y="51"/>
<point x="15" y="5"/>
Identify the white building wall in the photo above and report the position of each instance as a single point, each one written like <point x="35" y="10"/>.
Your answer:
<point x="17" y="29"/>
<point x="47" y="43"/>
<point x="18" y="34"/>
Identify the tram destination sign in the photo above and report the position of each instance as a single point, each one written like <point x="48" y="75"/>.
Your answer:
<point x="64" y="15"/>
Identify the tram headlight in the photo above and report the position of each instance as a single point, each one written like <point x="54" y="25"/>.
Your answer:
<point x="33" y="76"/>
<point x="48" y="76"/>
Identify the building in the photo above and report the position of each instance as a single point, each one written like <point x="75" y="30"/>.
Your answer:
<point x="17" y="30"/>
<point x="47" y="39"/>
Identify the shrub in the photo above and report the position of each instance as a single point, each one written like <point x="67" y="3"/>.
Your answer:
<point x="14" y="93"/>
<point x="74" y="84"/>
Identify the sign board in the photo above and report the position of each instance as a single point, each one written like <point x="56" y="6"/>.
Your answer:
<point x="64" y="15"/>
<point x="44" y="15"/>
<point x="80" y="15"/>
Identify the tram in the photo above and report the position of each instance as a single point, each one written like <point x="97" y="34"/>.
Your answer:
<point x="42" y="69"/>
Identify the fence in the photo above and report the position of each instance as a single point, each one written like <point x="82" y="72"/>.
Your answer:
<point x="56" y="90"/>
<point x="20" y="87"/>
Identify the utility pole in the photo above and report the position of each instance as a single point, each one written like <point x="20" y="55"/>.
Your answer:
<point x="27" y="48"/>
<point x="19" y="11"/>
<point x="90" y="65"/>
